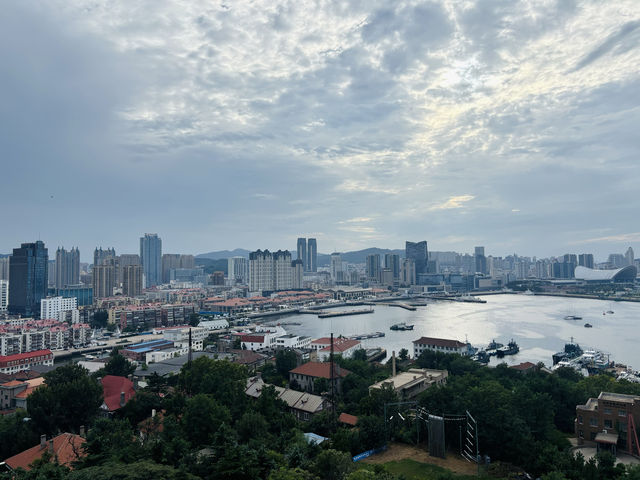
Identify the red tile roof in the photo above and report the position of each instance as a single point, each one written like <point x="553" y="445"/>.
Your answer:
<point x="13" y="383"/>
<point x="348" y="419"/>
<point x="524" y="366"/>
<point x="252" y="338"/>
<point x="341" y="345"/>
<point x="112" y="386"/>
<point x="67" y="448"/>
<point x="439" y="342"/>
<point x="320" y="370"/>
<point x="24" y="356"/>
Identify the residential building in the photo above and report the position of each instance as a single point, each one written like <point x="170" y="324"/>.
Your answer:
<point x="302" y="252"/>
<point x="104" y="280"/>
<point x="336" y="268"/>
<point x="172" y="261"/>
<point x="392" y="262"/>
<point x="116" y="392"/>
<point x="441" y="345"/>
<point x="411" y="383"/>
<point x="303" y="405"/>
<point x="132" y="280"/>
<point x="297" y="274"/>
<point x="151" y="258"/>
<point x="629" y="257"/>
<point x="418" y="252"/>
<point x="64" y="449"/>
<point x="238" y="271"/>
<point x="306" y="374"/>
<point x="270" y="271"/>
<point x="4" y="295"/>
<point x="25" y="361"/>
<point x="217" y="278"/>
<point x="312" y="255"/>
<point x="150" y="316"/>
<point x="373" y="270"/>
<point x="585" y="260"/>
<point x="293" y="341"/>
<point x="408" y="272"/>
<point x="341" y="346"/>
<point x="611" y="421"/>
<point x="100" y="255"/>
<point x="67" y="267"/>
<point x="180" y="336"/>
<point x="52" y="307"/>
<point x="481" y="260"/>
<point x="29" y="276"/>
<point x="4" y="268"/>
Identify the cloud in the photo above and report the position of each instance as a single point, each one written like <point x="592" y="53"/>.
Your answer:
<point x="626" y="37"/>
<point x="453" y="202"/>
<point x="619" y="238"/>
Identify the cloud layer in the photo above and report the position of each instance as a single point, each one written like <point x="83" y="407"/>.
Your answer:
<point x="247" y="124"/>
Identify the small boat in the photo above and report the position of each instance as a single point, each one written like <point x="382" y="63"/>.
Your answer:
<point x="587" y="325"/>
<point x="572" y="317"/>
<point x="494" y="345"/>
<point x="401" y="326"/>
<point x="610" y="312"/>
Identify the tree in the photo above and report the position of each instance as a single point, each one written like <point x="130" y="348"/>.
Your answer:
<point x="202" y="417"/>
<point x="194" y="319"/>
<point x="117" y="365"/>
<point x="291" y="474"/>
<point x="320" y="385"/>
<point x="403" y="354"/>
<point x="111" y="441"/>
<point x="142" y="470"/>
<point x="286" y="360"/>
<point x="70" y="398"/>
<point x="360" y="354"/>
<point x="333" y="465"/>
<point x="100" y="319"/>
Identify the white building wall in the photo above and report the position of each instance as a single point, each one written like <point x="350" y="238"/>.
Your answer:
<point x="52" y="306"/>
<point x="4" y="295"/>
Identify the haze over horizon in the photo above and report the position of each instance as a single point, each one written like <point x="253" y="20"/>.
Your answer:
<point x="511" y="125"/>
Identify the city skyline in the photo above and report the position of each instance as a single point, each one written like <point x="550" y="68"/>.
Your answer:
<point x="510" y="126"/>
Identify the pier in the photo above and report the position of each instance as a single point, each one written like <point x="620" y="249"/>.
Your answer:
<point x="344" y="313"/>
<point x="406" y="306"/>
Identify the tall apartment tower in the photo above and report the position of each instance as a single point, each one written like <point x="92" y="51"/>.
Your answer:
<point x="151" y="256"/>
<point x="104" y="280"/>
<point x="336" y="267"/>
<point x="417" y="251"/>
<point x="373" y="267"/>
<point x="238" y="270"/>
<point x="297" y="274"/>
<point x="4" y="268"/>
<point x="100" y="255"/>
<point x="67" y="267"/>
<point x="270" y="271"/>
<point x="586" y="260"/>
<point x="302" y="252"/>
<point x="629" y="257"/>
<point x="173" y="261"/>
<point x="4" y="295"/>
<point x="312" y="256"/>
<point x="28" y="272"/>
<point x="481" y="260"/>
<point x="132" y="280"/>
<point x="392" y="262"/>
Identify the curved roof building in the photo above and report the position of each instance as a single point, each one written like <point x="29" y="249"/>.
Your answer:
<point x="624" y="274"/>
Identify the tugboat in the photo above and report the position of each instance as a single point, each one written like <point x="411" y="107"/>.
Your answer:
<point x="401" y="326"/>
<point x="511" y="349"/>
<point x="481" y="357"/>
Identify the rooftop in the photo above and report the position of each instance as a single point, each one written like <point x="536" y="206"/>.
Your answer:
<point x="439" y="342"/>
<point x="67" y="448"/>
<point x="320" y="370"/>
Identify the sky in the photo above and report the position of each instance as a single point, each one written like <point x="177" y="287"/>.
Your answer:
<point x="513" y="125"/>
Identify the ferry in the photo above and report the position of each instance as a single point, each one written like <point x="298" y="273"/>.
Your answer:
<point x="572" y="317"/>
<point x="401" y="326"/>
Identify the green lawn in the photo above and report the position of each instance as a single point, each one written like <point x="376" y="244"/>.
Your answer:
<point x="412" y="470"/>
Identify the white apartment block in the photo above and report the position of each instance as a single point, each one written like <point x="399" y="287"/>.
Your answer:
<point x="238" y="270"/>
<point x="180" y="337"/>
<point x="293" y="341"/>
<point x="4" y="295"/>
<point x="52" y="306"/>
<point x="270" y="271"/>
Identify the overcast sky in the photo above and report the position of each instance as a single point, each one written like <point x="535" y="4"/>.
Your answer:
<point x="513" y="125"/>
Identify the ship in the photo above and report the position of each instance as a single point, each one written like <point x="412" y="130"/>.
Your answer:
<point x="401" y="326"/>
<point x="481" y="357"/>
<point x="573" y="317"/>
<point x="571" y="350"/>
<point x="587" y="325"/>
<point x="510" y="349"/>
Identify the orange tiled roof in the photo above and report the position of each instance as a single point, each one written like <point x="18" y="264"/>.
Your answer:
<point x="67" y="448"/>
<point x="320" y="370"/>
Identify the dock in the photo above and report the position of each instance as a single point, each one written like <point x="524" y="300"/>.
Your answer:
<point x="344" y="313"/>
<point x="406" y="306"/>
<point x="364" y="336"/>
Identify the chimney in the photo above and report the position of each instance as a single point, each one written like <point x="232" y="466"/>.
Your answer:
<point x="122" y="402"/>
<point x="82" y="430"/>
<point x="393" y="363"/>
<point x="43" y="441"/>
<point x="51" y="446"/>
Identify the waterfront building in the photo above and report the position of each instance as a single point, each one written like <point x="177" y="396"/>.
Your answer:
<point x="586" y="260"/>
<point x="29" y="275"/>
<point x="418" y="252"/>
<point x="4" y="268"/>
<point x="104" y="281"/>
<point x="312" y="255"/>
<point x="617" y="260"/>
<point x="341" y="346"/>
<point x="413" y="382"/>
<point x="481" y="260"/>
<point x="563" y="270"/>
<point x="442" y="345"/>
<point x="619" y="275"/>
<point x="302" y="252"/>
<point x="373" y="268"/>
<point x="151" y="257"/>
<point x="238" y="271"/>
<point x="67" y="269"/>
<point x="52" y="307"/>
<point x="408" y="272"/>
<point x="82" y="293"/>
<point x="4" y="295"/>
<point x="132" y="280"/>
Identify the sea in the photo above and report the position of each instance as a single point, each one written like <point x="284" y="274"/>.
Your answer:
<point x="536" y="323"/>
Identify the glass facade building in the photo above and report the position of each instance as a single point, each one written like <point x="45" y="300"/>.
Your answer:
<point x="28" y="271"/>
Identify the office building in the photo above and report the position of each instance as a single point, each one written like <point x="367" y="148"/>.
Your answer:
<point x="585" y="260"/>
<point x="51" y="274"/>
<point x="131" y="280"/>
<point x="302" y="252"/>
<point x="297" y="274"/>
<point x="4" y="268"/>
<point x="312" y="256"/>
<point x="151" y="257"/>
<point x="417" y="251"/>
<point x="392" y="262"/>
<point x="52" y="307"/>
<point x="372" y="269"/>
<point x="82" y="293"/>
<point x="270" y="271"/>
<point x="100" y="255"/>
<point x="67" y="268"/>
<point x="4" y="295"/>
<point x="336" y="267"/>
<point x="617" y="260"/>
<point x="563" y="270"/>
<point x="172" y="261"/>
<point x="28" y="267"/>
<point x="629" y="257"/>
<point x="481" y="260"/>
<point x="238" y="270"/>
<point x="104" y="281"/>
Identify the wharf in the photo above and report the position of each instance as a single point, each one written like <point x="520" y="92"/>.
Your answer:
<point x="396" y="304"/>
<point x="344" y="313"/>
<point x="364" y="336"/>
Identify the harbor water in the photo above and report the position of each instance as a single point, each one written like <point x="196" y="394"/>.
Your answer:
<point x="536" y="323"/>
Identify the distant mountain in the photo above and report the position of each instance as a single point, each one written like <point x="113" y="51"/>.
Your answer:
<point x="359" y="256"/>
<point x="223" y="254"/>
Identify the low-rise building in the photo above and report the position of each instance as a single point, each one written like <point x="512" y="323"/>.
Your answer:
<point x="411" y="383"/>
<point x="180" y="336"/>
<point x="302" y="404"/>
<point x="293" y="341"/>
<point x="442" y="345"/>
<point x="341" y="346"/>
<point x="611" y="421"/>
<point x="64" y="449"/>
<point x="138" y="352"/>
<point x="116" y="392"/>
<point x="306" y="374"/>
<point x="25" y="361"/>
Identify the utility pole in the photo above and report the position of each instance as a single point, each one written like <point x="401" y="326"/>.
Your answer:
<point x="331" y="379"/>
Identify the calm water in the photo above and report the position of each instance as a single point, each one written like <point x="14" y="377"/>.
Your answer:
<point x="536" y="323"/>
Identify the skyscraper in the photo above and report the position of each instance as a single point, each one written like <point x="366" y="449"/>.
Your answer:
<point x="100" y="255"/>
<point x="67" y="267"/>
<point x="238" y="270"/>
<point x="131" y="280"/>
<point x="586" y="260"/>
<point x="629" y="256"/>
<point x="302" y="252"/>
<point x="270" y="271"/>
<point x="104" y="280"/>
<point x="481" y="260"/>
<point x="172" y="261"/>
<point x="4" y="295"/>
<point x="373" y="267"/>
<point x="312" y="256"/>
<point x="4" y="268"/>
<point x="28" y="276"/>
<point x="417" y="251"/>
<point x="151" y="256"/>
<point x="336" y="267"/>
<point x="392" y="262"/>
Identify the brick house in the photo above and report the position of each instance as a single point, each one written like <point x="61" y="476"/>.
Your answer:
<point x="306" y="374"/>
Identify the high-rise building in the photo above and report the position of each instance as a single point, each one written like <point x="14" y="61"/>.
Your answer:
<point x="127" y="259"/>
<point x="4" y="268"/>
<point x="408" y="272"/>
<point x="51" y="273"/>
<point x="4" y="295"/>
<point x="297" y="274"/>
<point x="151" y="257"/>
<point x="104" y="280"/>
<point x="100" y="255"/>
<point x="617" y="260"/>
<point x="312" y="256"/>
<point x="171" y="261"/>
<point x="238" y="270"/>
<point x="82" y="293"/>
<point x="629" y="256"/>
<point x="481" y="260"/>
<point x="392" y="262"/>
<point x="131" y="280"/>
<point x="67" y="267"/>
<point x="586" y="260"/>
<point x="417" y="251"/>
<point x="570" y="258"/>
<point x="336" y="267"/>
<point x="270" y="271"/>
<point x="52" y="307"/>
<point x="302" y="252"/>
<point x="28" y="266"/>
<point x="372" y="269"/>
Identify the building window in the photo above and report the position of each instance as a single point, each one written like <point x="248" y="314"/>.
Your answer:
<point x="580" y="419"/>
<point x="581" y="433"/>
<point x="593" y="421"/>
<point x="607" y="411"/>
<point x="608" y="423"/>
<point x="622" y="413"/>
